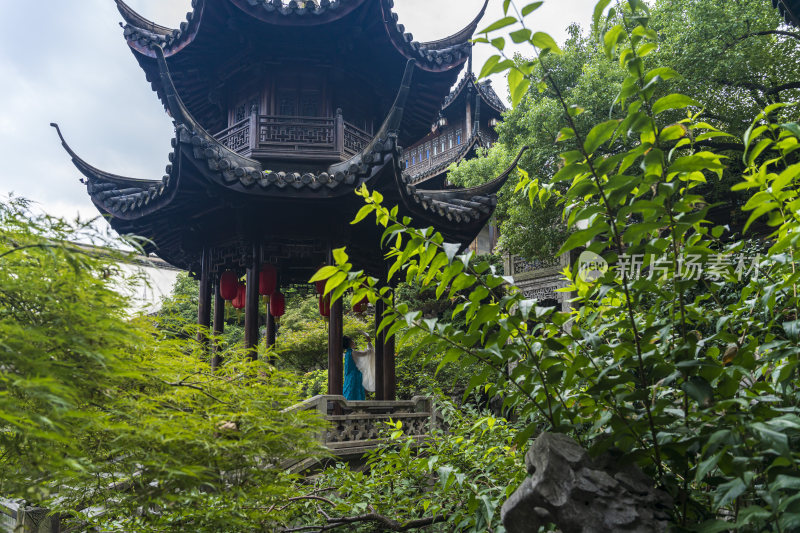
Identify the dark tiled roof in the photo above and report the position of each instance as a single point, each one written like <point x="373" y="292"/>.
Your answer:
<point x="484" y="89"/>
<point x="490" y="97"/>
<point x="790" y="9"/>
<point x="145" y="34"/>
<point x="128" y="198"/>
<point x="438" y="55"/>
<point x="463" y="206"/>
<point x="125" y="198"/>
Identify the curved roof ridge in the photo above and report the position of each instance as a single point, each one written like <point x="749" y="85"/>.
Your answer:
<point x="487" y="189"/>
<point x="142" y="35"/>
<point x="459" y="37"/>
<point x="122" y="197"/>
<point x="93" y="172"/>
<point x="135" y="19"/>
<point x="431" y="59"/>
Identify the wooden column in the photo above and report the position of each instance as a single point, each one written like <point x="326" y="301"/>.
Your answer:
<point x="251" y="306"/>
<point x="271" y="330"/>
<point x="335" y="351"/>
<point x="204" y="300"/>
<point x="380" y="389"/>
<point x="389" y="377"/>
<point x="219" y="323"/>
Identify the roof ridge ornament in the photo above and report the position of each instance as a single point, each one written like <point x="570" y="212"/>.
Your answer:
<point x="461" y="36"/>
<point x="124" y="198"/>
<point x="135" y="19"/>
<point x="450" y="53"/>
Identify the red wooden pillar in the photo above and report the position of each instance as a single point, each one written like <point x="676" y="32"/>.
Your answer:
<point x="219" y="323"/>
<point x="204" y="300"/>
<point x="380" y="389"/>
<point x="251" y="305"/>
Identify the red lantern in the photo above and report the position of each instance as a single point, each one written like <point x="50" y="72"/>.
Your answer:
<point x="277" y="304"/>
<point x="325" y="306"/>
<point x="361" y="305"/>
<point x="320" y="285"/>
<point x="228" y="285"/>
<point x="267" y="280"/>
<point x="241" y="297"/>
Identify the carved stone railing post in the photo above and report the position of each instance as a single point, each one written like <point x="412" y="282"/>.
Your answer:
<point x="339" y="129"/>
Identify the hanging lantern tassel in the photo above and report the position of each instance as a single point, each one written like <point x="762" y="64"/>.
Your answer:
<point x="229" y="285"/>
<point x="277" y="304"/>
<point x="325" y="306"/>
<point x="241" y="297"/>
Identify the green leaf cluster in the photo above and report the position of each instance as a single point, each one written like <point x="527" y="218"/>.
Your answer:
<point x="114" y="425"/>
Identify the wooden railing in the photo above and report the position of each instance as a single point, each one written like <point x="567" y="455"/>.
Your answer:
<point x="286" y="136"/>
<point x="356" y="427"/>
<point x="418" y="168"/>
<point x="237" y="137"/>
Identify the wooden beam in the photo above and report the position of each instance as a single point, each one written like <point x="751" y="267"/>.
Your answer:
<point x="219" y="324"/>
<point x="251" y="306"/>
<point x="204" y="300"/>
<point x="380" y="389"/>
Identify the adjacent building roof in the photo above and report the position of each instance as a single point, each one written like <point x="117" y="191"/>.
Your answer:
<point x="790" y="9"/>
<point x="470" y="84"/>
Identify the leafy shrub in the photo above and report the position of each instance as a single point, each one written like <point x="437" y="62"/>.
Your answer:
<point x="713" y="418"/>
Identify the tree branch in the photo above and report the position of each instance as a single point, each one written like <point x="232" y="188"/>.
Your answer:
<point x="386" y="522"/>
<point x="766" y="32"/>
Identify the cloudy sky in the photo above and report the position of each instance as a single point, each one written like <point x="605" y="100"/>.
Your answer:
<point x="66" y="61"/>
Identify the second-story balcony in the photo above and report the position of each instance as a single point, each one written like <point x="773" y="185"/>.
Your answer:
<point x="288" y="138"/>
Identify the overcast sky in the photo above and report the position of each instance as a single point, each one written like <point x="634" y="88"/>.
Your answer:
<point x="66" y="61"/>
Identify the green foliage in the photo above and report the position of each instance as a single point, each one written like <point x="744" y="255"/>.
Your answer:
<point x="693" y="375"/>
<point x="104" y="419"/>
<point x="302" y="343"/>
<point x="457" y="482"/>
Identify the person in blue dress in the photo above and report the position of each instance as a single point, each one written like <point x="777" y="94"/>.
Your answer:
<point x="353" y="386"/>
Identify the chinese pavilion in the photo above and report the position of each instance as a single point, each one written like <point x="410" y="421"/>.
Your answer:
<point x="281" y="110"/>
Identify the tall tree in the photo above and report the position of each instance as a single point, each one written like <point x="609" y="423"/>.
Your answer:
<point x="734" y="57"/>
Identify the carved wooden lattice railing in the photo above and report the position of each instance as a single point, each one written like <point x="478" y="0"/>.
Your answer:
<point x="296" y="133"/>
<point x="237" y="137"/>
<point x="355" y="139"/>
<point x="356" y="427"/>
<point x="279" y="134"/>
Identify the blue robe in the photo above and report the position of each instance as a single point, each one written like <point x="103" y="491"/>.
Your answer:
<point x="353" y="389"/>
